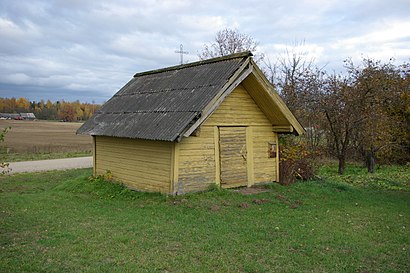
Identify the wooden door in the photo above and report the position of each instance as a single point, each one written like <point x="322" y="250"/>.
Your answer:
<point x="232" y="149"/>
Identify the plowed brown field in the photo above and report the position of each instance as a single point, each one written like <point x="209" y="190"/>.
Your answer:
<point x="44" y="137"/>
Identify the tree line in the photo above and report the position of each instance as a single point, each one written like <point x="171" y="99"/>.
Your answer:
<point x="48" y="110"/>
<point x="362" y="113"/>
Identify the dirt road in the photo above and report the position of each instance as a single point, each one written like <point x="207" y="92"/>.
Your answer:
<point x="51" y="164"/>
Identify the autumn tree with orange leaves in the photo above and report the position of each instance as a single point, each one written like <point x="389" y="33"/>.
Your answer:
<point x="59" y="110"/>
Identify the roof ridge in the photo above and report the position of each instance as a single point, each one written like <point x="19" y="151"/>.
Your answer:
<point x="164" y="90"/>
<point x="202" y="62"/>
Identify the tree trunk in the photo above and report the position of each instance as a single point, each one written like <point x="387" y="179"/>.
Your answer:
<point x="342" y="163"/>
<point x="370" y="161"/>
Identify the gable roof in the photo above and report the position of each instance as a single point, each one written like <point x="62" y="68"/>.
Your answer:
<point x="167" y="104"/>
<point x="27" y="115"/>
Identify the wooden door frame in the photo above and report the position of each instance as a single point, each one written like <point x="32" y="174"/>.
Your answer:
<point x="249" y="154"/>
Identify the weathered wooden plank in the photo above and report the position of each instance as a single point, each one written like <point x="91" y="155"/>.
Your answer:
<point x="199" y="186"/>
<point x="265" y="167"/>
<point x="174" y="168"/>
<point x="139" y="164"/>
<point x="194" y="140"/>
<point x="196" y="159"/>
<point x="243" y="105"/>
<point x="133" y="149"/>
<point x="238" y="117"/>
<point x="136" y="165"/>
<point x="232" y="142"/>
<point x="144" y="160"/>
<point x="153" y="181"/>
<point x="282" y="129"/>
<point x="277" y="159"/>
<point x="146" y="173"/>
<point x="217" y="157"/>
<point x="94" y="156"/>
<point x="199" y="150"/>
<point x="194" y="173"/>
<point x="125" y="152"/>
<point x="249" y="159"/>
<point x="129" y="180"/>
<point x="144" y="185"/>
<point x="231" y="112"/>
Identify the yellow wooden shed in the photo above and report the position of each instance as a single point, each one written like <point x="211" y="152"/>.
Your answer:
<point x="183" y="128"/>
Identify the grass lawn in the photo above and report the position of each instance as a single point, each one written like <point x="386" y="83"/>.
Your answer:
<point x="62" y="221"/>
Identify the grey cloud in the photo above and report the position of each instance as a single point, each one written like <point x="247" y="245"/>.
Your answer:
<point x="72" y="49"/>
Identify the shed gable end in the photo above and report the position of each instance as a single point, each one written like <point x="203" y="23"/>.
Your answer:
<point x="199" y="155"/>
<point x="238" y="109"/>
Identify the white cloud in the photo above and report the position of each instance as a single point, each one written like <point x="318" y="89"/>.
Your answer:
<point x="16" y="78"/>
<point x="386" y="33"/>
<point x="93" y="47"/>
<point x="11" y="32"/>
<point x="8" y="28"/>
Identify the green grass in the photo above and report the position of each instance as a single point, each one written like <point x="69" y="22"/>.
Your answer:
<point x="17" y="157"/>
<point x="62" y="221"/>
<point x="389" y="177"/>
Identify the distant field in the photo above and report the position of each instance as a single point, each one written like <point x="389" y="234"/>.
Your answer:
<point x="34" y="137"/>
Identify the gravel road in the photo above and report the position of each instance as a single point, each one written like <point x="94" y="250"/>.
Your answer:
<point x="51" y="164"/>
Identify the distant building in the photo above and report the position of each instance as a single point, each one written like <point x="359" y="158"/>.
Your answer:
<point x="9" y="116"/>
<point x="28" y="116"/>
<point x="16" y="116"/>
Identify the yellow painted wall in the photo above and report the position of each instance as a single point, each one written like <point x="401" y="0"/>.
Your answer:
<point x="148" y="165"/>
<point x="198" y="156"/>
<point x="139" y="164"/>
<point x="238" y="109"/>
<point x="264" y="167"/>
<point x="197" y="161"/>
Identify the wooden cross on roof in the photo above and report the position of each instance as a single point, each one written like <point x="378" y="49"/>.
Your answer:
<point x="181" y="52"/>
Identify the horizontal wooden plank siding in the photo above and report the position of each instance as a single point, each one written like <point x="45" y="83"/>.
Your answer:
<point x="139" y="164"/>
<point x="197" y="161"/>
<point x="264" y="167"/>
<point x="238" y="109"/>
<point x="199" y="156"/>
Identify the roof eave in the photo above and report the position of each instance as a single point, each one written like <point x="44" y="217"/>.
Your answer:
<point x="249" y="67"/>
<point x="277" y="100"/>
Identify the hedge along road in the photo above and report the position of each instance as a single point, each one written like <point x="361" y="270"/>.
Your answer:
<point x="51" y="164"/>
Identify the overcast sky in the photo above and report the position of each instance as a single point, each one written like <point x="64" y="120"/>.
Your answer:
<point x="87" y="50"/>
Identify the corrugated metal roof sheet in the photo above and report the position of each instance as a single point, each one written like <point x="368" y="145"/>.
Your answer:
<point x="161" y="104"/>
